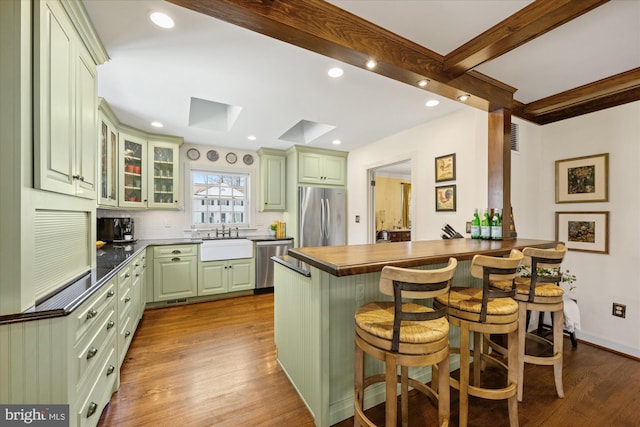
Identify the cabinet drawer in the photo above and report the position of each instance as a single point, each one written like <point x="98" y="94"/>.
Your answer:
<point x="174" y="250"/>
<point x="125" y="335"/>
<point x="88" y="312"/>
<point x="98" y="397"/>
<point x="89" y="352"/>
<point x="124" y="276"/>
<point x="125" y="302"/>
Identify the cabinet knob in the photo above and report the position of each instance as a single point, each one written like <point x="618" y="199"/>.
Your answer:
<point x="137" y="274"/>
<point x="81" y="178"/>
<point x="110" y="325"/>
<point x="75" y="176"/>
<point x="175" y="259"/>
<point x="111" y="293"/>
<point x="126" y="276"/>
<point x="176" y="251"/>
<point x="92" y="352"/>
<point x="110" y="370"/>
<point x="92" y="409"/>
<point x="127" y="299"/>
<point x="91" y="314"/>
<point x="127" y="333"/>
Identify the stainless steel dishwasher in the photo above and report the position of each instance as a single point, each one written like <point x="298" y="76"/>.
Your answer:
<point x="264" y="265"/>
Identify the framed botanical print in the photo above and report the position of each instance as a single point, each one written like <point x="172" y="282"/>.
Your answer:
<point x="446" y="168"/>
<point x="583" y="179"/>
<point x="446" y="198"/>
<point x="583" y="231"/>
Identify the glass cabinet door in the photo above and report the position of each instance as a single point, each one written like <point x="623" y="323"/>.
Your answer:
<point x="108" y="190"/>
<point x="163" y="162"/>
<point x="133" y="192"/>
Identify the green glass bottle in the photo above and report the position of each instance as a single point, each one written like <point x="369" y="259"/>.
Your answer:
<point x="496" y="225"/>
<point x="475" y="225"/>
<point x="485" y="226"/>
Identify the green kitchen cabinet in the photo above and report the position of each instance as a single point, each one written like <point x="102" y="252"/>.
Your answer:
<point x="219" y="277"/>
<point x="272" y="180"/>
<point x="175" y="272"/>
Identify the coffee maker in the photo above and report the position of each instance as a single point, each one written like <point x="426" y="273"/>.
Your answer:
<point x="115" y="230"/>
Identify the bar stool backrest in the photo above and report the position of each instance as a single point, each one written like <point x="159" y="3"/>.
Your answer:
<point x="548" y="259"/>
<point x="491" y="269"/>
<point x="429" y="283"/>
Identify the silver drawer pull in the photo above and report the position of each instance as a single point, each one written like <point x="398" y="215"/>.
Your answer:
<point x="175" y="259"/>
<point x="92" y="352"/>
<point x="111" y="293"/>
<point x="127" y="275"/>
<point x="127" y="299"/>
<point x="176" y="251"/>
<point x="110" y="370"/>
<point x="137" y="274"/>
<point x="137" y="264"/>
<point x="92" y="409"/>
<point x="127" y="333"/>
<point x="110" y="325"/>
<point x="91" y="314"/>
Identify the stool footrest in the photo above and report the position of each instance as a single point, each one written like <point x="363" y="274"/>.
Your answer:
<point x="493" y="393"/>
<point x="539" y="360"/>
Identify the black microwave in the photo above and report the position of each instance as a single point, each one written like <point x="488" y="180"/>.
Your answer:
<point x="115" y="230"/>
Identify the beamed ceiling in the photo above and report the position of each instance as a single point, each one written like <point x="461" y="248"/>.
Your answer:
<point x="324" y="28"/>
<point x="263" y="64"/>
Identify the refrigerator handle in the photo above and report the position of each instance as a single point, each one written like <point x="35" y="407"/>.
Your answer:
<point x="327" y="223"/>
<point x="322" y="214"/>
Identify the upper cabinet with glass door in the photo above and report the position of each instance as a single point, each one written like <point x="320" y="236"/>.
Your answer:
<point x="108" y="157"/>
<point x="132" y="172"/>
<point x="163" y="186"/>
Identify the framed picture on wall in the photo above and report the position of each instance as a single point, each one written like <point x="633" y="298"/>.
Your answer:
<point x="583" y="179"/>
<point x="446" y="198"/>
<point x="583" y="231"/>
<point x="446" y="168"/>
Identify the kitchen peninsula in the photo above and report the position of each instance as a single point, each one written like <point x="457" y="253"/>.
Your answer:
<point x="314" y="330"/>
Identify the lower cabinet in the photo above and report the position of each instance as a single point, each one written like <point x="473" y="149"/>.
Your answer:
<point x="175" y="272"/>
<point x="218" y="277"/>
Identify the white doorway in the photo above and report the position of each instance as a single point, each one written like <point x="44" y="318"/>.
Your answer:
<point x="390" y="209"/>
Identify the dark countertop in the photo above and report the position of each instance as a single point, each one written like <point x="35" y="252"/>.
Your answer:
<point x="358" y="259"/>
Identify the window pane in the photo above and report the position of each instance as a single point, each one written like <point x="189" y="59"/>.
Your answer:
<point x="219" y="198"/>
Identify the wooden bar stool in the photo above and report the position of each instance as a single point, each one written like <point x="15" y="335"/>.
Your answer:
<point x="486" y="310"/>
<point x="541" y="293"/>
<point x="404" y="334"/>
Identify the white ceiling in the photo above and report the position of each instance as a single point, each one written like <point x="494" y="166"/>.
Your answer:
<point x="154" y="73"/>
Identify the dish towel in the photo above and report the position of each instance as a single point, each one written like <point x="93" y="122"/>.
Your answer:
<point x="571" y="315"/>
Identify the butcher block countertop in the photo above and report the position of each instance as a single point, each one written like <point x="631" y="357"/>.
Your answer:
<point x="358" y="259"/>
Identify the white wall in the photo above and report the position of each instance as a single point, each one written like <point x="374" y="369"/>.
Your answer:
<point x="602" y="279"/>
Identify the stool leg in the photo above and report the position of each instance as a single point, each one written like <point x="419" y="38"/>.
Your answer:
<point x="477" y="357"/>
<point x="444" y="394"/>
<point x="404" y="395"/>
<point x="391" y="380"/>
<point x="522" y="335"/>
<point x="512" y="376"/>
<point x="558" y="322"/>
<point x="464" y="374"/>
<point x="358" y="382"/>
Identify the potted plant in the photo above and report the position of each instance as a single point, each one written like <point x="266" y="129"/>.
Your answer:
<point x="272" y="229"/>
<point x="566" y="277"/>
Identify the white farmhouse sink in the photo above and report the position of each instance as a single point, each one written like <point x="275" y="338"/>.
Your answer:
<point x="214" y="250"/>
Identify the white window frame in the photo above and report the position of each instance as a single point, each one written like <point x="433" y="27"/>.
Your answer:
<point x="248" y="199"/>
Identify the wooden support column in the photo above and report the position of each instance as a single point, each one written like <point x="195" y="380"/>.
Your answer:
<point x="499" y="174"/>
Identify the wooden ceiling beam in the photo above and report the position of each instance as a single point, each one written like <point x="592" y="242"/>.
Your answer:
<point x="323" y="28"/>
<point x="525" y="25"/>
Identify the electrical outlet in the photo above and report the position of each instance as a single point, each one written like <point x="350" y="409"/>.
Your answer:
<point x="619" y="310"/>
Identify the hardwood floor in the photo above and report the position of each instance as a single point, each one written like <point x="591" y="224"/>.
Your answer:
<point x="214" y="364"/>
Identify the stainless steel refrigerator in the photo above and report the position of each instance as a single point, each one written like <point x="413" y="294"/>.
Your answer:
<point x="322" y="216"/>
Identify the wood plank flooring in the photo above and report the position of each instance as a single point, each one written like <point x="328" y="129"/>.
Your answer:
<point x="214" y="364"/>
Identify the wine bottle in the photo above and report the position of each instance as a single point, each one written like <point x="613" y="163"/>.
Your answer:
<point x="496" y="225"/>
<point x="485" y="226"/>
<point x="475" y="225"/>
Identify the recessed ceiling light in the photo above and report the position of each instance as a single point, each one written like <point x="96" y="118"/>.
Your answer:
<point x="463" y="98"/>
<point x="371" y="64"/>
<point x="157" y="124"/>
<point x="336" y="142"/>
<point x="335" y="72"/>
<point x="162" y="20"/>
<point x="423" y="82"/>
<point x="432" y="103"/>
<point x="251" y="138"/>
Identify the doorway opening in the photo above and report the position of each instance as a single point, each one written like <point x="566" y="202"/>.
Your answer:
<point x="390" y="208"/>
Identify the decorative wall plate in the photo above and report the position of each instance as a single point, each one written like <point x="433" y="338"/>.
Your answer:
<point x="231" y="158"/>
<point x="193" y="154"/>
<point x="212" y="155"/>
<point x="247" y="159"/>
